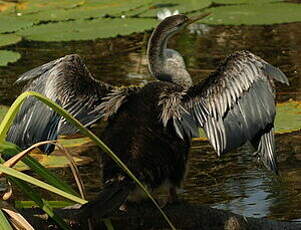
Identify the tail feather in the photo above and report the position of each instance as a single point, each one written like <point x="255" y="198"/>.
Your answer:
<point x="265" y="146"/>
<point x="109" y="200"/>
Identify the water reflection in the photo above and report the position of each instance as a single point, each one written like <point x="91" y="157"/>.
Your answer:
<point x="252" y="199"/>
<point x="235" y="181"/>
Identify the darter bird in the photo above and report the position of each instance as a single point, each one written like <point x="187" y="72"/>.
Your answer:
<point x="150" y="127"/>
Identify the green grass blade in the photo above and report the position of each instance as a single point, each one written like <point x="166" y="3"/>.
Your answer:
<point x="4" y="224"/>
<point x="4" y="127"/>
<point x="41" y="184"/>
<point x="33" y="195"/>
<point x="52" y="203"/>
<point x="10" y="149"/>
<point x="10" y="115"/>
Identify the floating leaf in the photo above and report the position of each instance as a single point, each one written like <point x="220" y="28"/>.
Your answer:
<point x="90" y="9"/>
<point x="226" y="2"/>
<point x="6" y="6"/>
<point x="288" y="117"/>
<point x="7" y="56"/>
<point x="53" y="161"/>
<point x="254" y="14"/>
<point x="87" y="29"/>
<point x="42" y="5"/>
<point x="172" y="5"/>
<point x="13" y="23"/>
<point x="9" y="39"/>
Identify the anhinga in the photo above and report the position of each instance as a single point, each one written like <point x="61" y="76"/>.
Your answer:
<point x="150" y="127"/>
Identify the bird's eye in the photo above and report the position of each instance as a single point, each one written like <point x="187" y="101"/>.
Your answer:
<point x="181" y="23"/>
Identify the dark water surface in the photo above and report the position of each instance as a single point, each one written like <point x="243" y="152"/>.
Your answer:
<point x="236" y="181"/>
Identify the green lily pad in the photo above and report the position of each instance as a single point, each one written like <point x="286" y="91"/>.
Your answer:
<point x="53" y="161"/>
<point x="7" y="56"/>
<point x="172" y="5"/>
<point x="89" y="9"/>
<point x="228" y="2"/>
<point x="31" y="6"/>
<point x="57" y="10"/>
<point x="9" y="39"/>
<point x="87" y="29"/>
<point x="254" y="14"/>
<point x="6" y="6"/>
<point x="13" y="23"/>
<point x="28" y="13"/>
<point x="288" y="119"/>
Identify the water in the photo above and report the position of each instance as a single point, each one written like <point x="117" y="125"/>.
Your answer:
<point x="234" y="182"/>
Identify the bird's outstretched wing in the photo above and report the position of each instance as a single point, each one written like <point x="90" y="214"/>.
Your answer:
<point x="66" y="81"/>
<point x="235" y="104"/>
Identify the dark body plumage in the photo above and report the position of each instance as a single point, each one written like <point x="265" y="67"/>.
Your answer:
<point x="143" y="143"/>
<point x="150" y="127"/>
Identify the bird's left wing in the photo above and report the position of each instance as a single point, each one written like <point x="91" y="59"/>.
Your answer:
<point x="66" y="81"/>
<point x="235" y="104"/>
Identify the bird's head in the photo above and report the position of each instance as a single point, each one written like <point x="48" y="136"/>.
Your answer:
<point x="177" y="22"/>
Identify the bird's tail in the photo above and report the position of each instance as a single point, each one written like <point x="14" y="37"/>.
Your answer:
<point x="109" y="200"/>
<point x="266" y="149"/>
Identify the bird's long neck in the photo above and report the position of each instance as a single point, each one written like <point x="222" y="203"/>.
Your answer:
<point x="155" y="52"/>
<point x="157" y="60"/>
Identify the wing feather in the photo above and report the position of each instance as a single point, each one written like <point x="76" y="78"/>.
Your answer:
<point x="66" y="81"/>
<point x="236" y="104"/>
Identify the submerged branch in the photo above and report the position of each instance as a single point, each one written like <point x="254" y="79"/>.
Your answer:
<point x="146" y="216"/>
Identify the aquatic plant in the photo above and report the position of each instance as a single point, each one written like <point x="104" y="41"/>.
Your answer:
<point x="55" y="184"/>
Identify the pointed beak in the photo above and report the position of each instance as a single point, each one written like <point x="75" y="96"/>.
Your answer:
<point x="194" y="19"/>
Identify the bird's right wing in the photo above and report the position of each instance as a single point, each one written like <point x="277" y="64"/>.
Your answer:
<point x="67" y="82"/>
<point x="234" y="105"/>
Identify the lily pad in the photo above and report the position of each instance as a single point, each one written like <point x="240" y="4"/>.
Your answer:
<point x="13" y="23"/>
<point x="288" y="119"/>
<point x="26" y="13"/>
<point x="254" y="14"/>
<point x="7" y="56"/>
<point x="87" y="29"/>
<point x="53" y="161"/>
<point x="6" y="6"/>
<point x="31" y="6"/>
<point x="9" y="39"/>
<point x="53" y="11"/>
<point x="172" y="5"/>
<point x="226" y="2"/>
